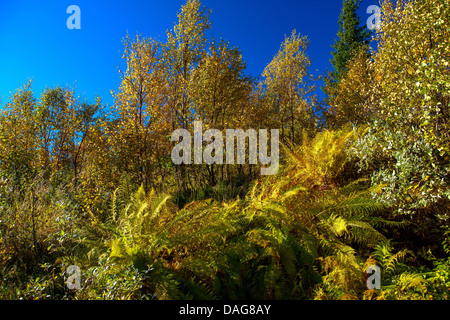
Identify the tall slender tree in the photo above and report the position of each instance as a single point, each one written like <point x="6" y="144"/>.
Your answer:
<point x="186" y="44"/>
<point x="220" y="90"/>
<point x="140" y="125"/>
<point x="285" y="82"/>
<point x="185" y="48"/>
<point x="351" y="36"/>
<point x="352" y="40"/>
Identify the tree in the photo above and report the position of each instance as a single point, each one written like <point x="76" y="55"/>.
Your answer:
<point x="285" y="86"/>
<point x="351" y="35"/>
<point x="50" y="134"/>
<point x="86" y="117"/>
<point x="184" y="50"/>
<point x="407" y="145"/>
<point x="18" y="143"/>
<point x="344" y="100"/>
<point x="219" y="87"/>
<point x="220" y="91"/>
<point x="62" y="123"/>
<point x="355" y="98"/>
<point x="139" y="121"/>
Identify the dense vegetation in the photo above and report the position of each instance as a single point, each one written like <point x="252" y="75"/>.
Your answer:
<point x="363" y="176"/>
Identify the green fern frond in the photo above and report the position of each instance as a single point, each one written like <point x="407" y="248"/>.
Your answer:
<point x="364" y="233"/>
<point x="387" y="259"/>
<point x="335" y="224"/>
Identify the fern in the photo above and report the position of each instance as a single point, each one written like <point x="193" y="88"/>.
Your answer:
<point x="273" y="243"/>
<point x="388" y="260"/>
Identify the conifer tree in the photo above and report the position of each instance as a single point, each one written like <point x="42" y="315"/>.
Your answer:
<point x="352" y="43"/>
<point x="351" y="35"/>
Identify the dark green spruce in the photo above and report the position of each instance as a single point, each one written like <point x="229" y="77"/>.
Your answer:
<point x="351" y="35"/>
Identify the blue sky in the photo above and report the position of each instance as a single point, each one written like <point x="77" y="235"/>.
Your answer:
<point x="36" y="43"/>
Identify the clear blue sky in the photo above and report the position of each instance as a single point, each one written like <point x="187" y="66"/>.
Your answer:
<point x="35" y="42"/>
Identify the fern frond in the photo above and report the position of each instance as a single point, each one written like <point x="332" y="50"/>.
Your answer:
<point x="335" y="224"/>
<point x="387" y="259"/>
<point x="364" y="233"/>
